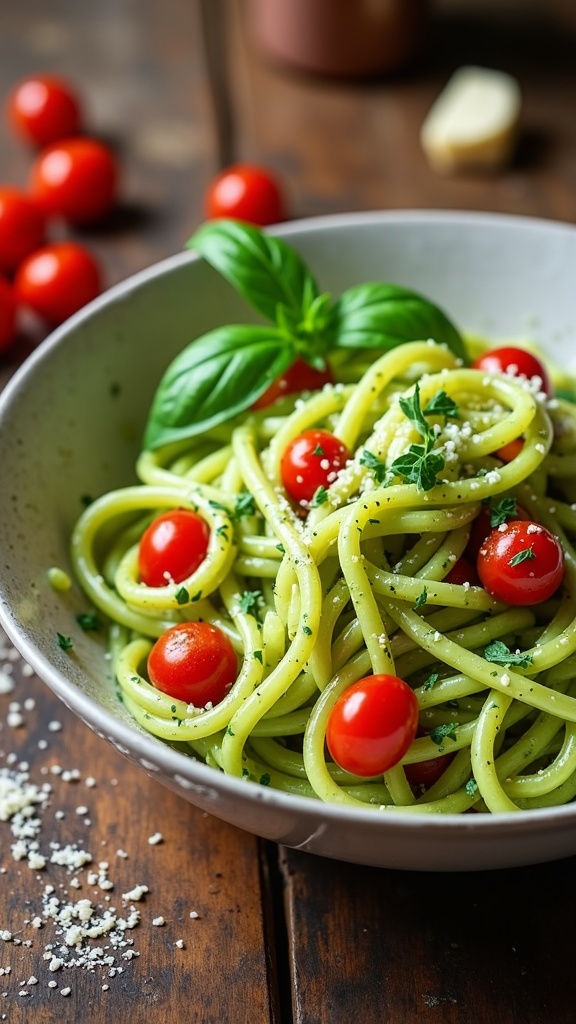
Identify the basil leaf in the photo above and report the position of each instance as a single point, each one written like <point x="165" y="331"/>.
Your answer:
<point x="214" y="378"/>
<point x="267" y="272"/>
<point x="382" y="316"/>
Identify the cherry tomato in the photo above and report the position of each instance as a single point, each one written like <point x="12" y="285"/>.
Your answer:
<point x="510" y="451"/>
<point x="372" y="724"/>
<point x="7" y="314"/>
<point x="172" y="547"/>
<point x="310" y="461"/>
<point x="463" y="571"/>
<point x="298" y="377"/>
<point x="426" y="773"/>
<point x="76" y="179"/>
<point x="245" y="192"/>
<point x="43" y="108"/>
<point x="21" y="227"/>
<point x="194" y="662"/>
<point x="515" y="361"/>
<point x="58" y="280"/>
<point x="521" y="563"/>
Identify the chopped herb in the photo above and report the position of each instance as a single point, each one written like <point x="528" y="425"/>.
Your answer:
<point x="500" y="654"/>
<point x="307" y="630"/>
<point x="265" y="779"/>
<point x="413" y="411"/>
<point x="502" y="511"/>
<point x="218" y="505"/>
<point x="245" y="773"/>
<point x="319" y="497"/>
<point x="431" y="681"/>
<point x="522" y="556"/>
<point x="374" y="522"/>
<point x="65" y="642"/>
<point x="281" y="549"/>
<point x="197" y="597"/>
<point x="173" y="708"/>
<point x="244" y="505"/>
<point x="448" y="730"/>
<point x="88" y="621"/>
<point x="442" y="405"/>
<point x="222" y="531"/>
<point x="182" y="596"/>
<point x="421" y="600"/>
<point x="230" y="731"/>
<point x="318" y="450"/>
<point x="375" y="464"/>
<point x="250" y="601"/>
<point x="259" y="657"/>
<point x="471" y="787"/>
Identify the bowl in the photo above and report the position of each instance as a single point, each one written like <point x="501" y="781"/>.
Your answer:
<point x="71" y="423"/>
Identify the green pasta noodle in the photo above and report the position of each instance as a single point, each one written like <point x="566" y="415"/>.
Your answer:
<point x="353" y="583"/>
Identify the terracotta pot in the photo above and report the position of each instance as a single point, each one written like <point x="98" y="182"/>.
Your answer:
<point x="351" y="38"/>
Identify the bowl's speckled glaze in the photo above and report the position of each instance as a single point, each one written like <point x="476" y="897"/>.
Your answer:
<point x="71" y="421"/>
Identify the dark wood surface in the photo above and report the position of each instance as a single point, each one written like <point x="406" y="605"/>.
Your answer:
<point x="280" y="936"/>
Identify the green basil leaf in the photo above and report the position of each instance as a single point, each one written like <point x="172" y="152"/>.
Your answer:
<point x="382" y="316"/>
<point x="266" y="271"/>
<point x="214" y="378"/>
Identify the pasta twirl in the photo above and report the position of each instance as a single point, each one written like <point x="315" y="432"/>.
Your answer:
<point x="315" y="598"/>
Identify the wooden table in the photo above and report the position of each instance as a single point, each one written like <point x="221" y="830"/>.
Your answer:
<point x="279" y="935"/>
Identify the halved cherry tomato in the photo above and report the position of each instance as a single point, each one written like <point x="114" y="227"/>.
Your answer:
<point x="372" y="724"/>
<point x="298" y="377"/>
<point x="76" y="179"/>
<point x="194" y="662"/>
<point x="515" y="361"/>
<point x="57" y="280"/>
<point x="245" y="192"/>
<point x="521" y="563"/>
<point x="463" y="571"/>
<point x="22" y="227"/>
<point x="7" y="314"/>
<point x="172" y="547"/>
<point x="44" y="108"/>
<point x="312" y="460"/>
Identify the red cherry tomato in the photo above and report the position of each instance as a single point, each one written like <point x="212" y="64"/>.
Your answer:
<point x="21" y="227"/>
<point x="510" y="451"/>
<point x="245" y="192"/>
<point x="172" y="547"/>
<point x="7" y="314"/>
<point x="58" y="280"/>
<point x="310" y="461"/>
<point x="76" y="179"/>
<point x="42" y="109"/>
<point x="194" y="662"/>
<point x="298" y="377"/>
<point x="426" y="773"/>
<point x="372" y="724"/>
<point x="515" y="361"/>
<point x="463" y="571"/>
<point x="521" y="564"/>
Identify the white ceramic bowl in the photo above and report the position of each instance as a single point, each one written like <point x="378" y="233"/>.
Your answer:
<point x="70" y="424"/>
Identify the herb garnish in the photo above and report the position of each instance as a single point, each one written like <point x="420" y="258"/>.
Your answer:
<point x="421" y="463"/>
<point x="502" y="511"/>
<point x="421" y="600"/>
<point x="448" y="730"/>
<point x="251" y="601"/>
<point x="431" y="681"/>
<point x="88" y="621"/>
<point x="442" y="405"/>
<point x="375" y="464"/>
<point x="522" y="556"/>
<point x="66" y="643"/>
<point x="223" y="372"/>
<point x="498" y="653"/>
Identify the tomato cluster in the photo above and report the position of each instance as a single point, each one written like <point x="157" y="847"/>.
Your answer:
<point x="74" y="180"/>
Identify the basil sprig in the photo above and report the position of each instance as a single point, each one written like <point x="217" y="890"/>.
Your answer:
<point x="223" y="372"/>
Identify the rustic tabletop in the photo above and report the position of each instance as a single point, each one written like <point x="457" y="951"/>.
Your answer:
<point x="231" y="928"/>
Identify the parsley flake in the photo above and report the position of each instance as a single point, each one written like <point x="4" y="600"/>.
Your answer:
<point x="502" y="511"/>
<point x="244" y="505"/>
<point x="471" y="787"/>
<point x="448" y="730"/>
<point x="251" y="601"/>
<point x="375" y="464"/>
<point x="431" y="681"/>
<point x="265" y="779"/>
<point x="319" y="497"/>
<point x="522" y="556"/>
<point x="259" y="657"/>
<point x="421" y="600"/>
<point x="66" y="643"/>
<point x="498" y="653"/>
<point x="442" y="405"/>
<point x="88" y="621"/>
<point x="182" y="596"/>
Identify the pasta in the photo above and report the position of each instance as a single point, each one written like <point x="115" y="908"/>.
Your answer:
<point x="356" y="586"/>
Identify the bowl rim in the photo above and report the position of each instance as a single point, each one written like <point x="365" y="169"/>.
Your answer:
<point x="129" y="739"/>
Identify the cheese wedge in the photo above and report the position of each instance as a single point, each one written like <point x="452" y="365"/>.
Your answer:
<point x="474" y="123"/>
